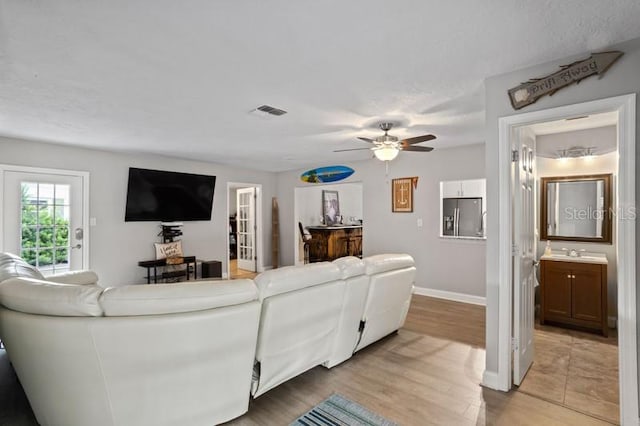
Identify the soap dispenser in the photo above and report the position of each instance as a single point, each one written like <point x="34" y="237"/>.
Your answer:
<point x="547" y="249"/>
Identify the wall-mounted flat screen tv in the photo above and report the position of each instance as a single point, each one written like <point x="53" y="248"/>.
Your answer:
<point x="156" y="195"/>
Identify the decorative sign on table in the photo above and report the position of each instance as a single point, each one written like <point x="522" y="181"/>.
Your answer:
<point x="402" y="195"/>
<point x="168" y="250"/>
<point x="326" y="174"/>
<point x="529" y="92"/>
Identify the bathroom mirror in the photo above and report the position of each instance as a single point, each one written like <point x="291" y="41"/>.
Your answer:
<point x="576" y="208"/>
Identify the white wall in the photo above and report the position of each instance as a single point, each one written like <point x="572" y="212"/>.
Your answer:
<point x="116" y="246"/>
<point x="602" y="139"/>
<point x="233" y="205"/>
<point x="621" y="79"/>
<point x="442" y="264"/>
<point x="601" y="164"/>
<point x="308" y="202"/>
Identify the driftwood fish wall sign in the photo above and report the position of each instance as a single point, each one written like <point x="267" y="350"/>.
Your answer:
<point x="529" y="92"/>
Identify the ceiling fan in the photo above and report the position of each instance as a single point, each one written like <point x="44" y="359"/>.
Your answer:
<point x="387" y="147"/>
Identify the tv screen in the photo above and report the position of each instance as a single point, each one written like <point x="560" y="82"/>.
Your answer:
<point x="156" y="195"/>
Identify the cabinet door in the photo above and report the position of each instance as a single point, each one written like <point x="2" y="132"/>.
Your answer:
<point x="587" y="292"/>
<point x="451" y="189"/>
<point x="473" y="188"/>
<point x="336" y="245"/>
<point x="557" y="290"/>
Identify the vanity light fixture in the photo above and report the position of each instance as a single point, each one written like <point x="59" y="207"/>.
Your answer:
<point x="575" y="152"/>
<point x="588" y="155"/>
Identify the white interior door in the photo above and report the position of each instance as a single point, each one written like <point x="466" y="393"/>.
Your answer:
<point x="43" y="221"/>
<point x="524" y="255"/>
<point x="246" y="223"/>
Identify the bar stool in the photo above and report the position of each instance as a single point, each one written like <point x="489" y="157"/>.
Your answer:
<point x="306" y="239"/>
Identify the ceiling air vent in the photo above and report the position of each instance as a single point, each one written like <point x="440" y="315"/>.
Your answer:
<point x="266" y="110"/>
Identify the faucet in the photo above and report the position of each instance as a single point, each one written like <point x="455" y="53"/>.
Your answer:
<point x="573" y="252"/>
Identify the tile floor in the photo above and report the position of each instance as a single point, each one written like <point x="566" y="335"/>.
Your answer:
<point x="577" y="370"/>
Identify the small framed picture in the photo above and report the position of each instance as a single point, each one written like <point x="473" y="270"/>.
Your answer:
<point x="402" y="195"/>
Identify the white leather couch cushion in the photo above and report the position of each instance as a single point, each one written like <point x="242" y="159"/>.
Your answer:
<point x="157" y="299"/>
<point x="12" y="266"/>
<point x="75" y="277"/>
<point x="297" y="331"/>
<point x="46" y="298"/>
<point x="352" y="311"/>
<point x="387" y="262"/>
<point x="290" y="278"/>
<point x="350" y="266"/>
<point x="388" y="299"/>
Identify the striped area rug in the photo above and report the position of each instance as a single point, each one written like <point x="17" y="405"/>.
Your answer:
<point x="339" y="411"/>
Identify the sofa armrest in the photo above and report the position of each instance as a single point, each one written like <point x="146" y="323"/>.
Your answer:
<point x="75" y="277"/>
<point x="157" y="299"/>
<point x="40" y="297"/>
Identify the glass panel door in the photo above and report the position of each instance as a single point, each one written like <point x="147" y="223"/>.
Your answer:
<point x="43" y="220"/>
<point x="245" y="199"/>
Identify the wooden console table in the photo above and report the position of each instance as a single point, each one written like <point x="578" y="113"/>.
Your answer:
<point x="161" y="263"/>
<point x="331" y="242"/>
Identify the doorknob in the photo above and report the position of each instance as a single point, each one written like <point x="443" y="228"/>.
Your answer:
<point x="77" y="246"/>
<point x="79" y="233"/>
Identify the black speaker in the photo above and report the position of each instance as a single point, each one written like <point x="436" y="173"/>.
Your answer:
<point x="212" y="269"/>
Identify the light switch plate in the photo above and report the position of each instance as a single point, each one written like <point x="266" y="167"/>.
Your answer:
<point x="420" y="223"/>
<point x="92" y="221"/>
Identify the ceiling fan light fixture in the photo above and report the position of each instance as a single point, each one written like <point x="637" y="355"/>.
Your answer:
<point x="386" y="153"/>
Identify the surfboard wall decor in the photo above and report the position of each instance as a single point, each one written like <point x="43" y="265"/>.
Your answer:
<point x="326" y="174"/>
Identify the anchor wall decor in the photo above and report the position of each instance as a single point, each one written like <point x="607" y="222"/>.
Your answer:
<point x="402" y="195"/>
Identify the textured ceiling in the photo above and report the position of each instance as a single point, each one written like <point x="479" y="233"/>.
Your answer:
<point x="179" y="78"/>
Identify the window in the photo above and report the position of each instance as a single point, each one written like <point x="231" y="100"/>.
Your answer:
<point x="45" y="213"/>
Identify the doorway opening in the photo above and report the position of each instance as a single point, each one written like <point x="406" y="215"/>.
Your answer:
<point x="310" y="213"/>
<point x="570" y="264"/>
<point x="515" y="332"/>
<point x="44" y="217"/>
<point x="244" y="243"/>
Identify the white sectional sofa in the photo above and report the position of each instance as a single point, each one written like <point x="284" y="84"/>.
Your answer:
<point x="186" y="353"/>
<point x="322" y="313"/>
<point x="166" y="354"/>
<point x="300" y="311"/>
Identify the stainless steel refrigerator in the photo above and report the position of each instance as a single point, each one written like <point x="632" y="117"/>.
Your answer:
<point x="462" y="217"/>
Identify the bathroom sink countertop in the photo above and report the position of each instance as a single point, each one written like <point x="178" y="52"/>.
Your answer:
<point x="586" y="257"/>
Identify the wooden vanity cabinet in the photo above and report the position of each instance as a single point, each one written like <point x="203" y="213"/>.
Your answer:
<point x="574" y="293"/>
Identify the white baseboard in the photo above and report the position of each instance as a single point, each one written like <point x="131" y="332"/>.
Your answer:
<point x="450" y="295"/>
<point x="490" y="380"/>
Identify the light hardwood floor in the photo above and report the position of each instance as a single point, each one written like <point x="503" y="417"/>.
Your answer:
<point x="428" y="373"/>
<point x="237" y="273"/>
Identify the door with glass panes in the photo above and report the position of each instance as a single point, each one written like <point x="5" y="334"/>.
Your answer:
<point x="43" y="219"/>
<point x="246" y="223"/>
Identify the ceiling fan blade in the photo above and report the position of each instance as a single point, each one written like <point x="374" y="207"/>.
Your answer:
<point x="366" y="139"/>
<point x="416" y="139"/>
<point x="352" y="149"/>
<point x="417" y="148"/>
